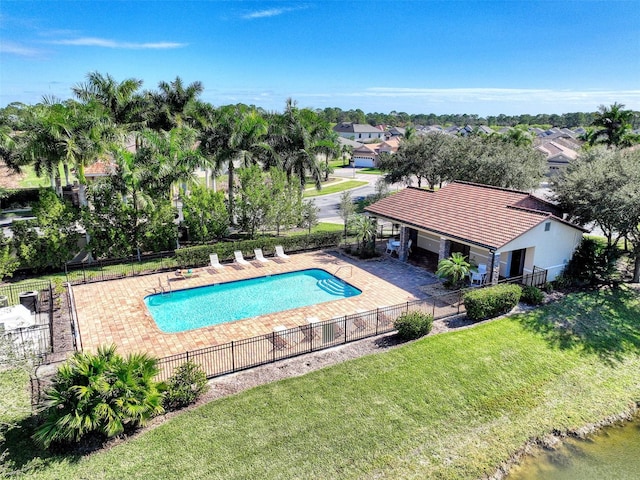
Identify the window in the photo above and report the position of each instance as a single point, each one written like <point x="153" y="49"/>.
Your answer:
<point x="547" y="226"/>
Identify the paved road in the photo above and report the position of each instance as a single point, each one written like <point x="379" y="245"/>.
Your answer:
<point x="328" y="204"/>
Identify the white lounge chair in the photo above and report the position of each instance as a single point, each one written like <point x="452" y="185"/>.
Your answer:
<point x="260" y="256"/>
<point x="215" y="263"/>
<point x="240" y="259"/>
<point x="280" y="252"/>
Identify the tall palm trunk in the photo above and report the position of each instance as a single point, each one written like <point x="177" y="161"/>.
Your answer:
<point x="230" y="193"/>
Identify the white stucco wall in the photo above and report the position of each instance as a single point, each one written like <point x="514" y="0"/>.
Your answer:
<point x="545" y="249"/>
<point x="428" y="242"/>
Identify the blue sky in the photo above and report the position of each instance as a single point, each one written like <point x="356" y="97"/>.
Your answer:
<point x="482" y="57"/>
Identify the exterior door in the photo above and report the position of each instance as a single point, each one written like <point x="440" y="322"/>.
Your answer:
<point x="516" y="266"/>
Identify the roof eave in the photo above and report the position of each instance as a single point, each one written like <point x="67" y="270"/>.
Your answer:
<point x="437" y="232"/>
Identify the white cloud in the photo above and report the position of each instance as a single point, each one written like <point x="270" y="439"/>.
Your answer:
<point x="17" y="49"/>
<point x="475" y="95"/>
<point x="272" y="12"/>
<point x="495" y="94"/>
<point x="105" y="43"/>
<point x="484" y="101"/>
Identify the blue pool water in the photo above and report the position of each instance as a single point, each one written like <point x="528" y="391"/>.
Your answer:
<point x="193" y="308"/>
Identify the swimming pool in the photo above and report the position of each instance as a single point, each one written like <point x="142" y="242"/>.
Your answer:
<point x="198" y="307"/>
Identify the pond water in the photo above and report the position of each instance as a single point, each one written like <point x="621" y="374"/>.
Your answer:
<point x="613" y="453"/>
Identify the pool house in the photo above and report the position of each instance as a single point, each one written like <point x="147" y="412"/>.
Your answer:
<point x="514" y="233"/>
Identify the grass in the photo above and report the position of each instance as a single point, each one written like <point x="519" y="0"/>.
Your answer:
<point x="335" y="188"/>
<point x="31" y="180"/>
<point x="448" y="406"/>
<point x="370" y="170"/>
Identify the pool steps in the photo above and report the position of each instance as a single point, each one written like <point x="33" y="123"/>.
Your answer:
<point x="333" y="286"/>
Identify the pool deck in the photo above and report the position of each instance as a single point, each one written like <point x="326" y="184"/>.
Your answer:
<point x="114" y="311"/>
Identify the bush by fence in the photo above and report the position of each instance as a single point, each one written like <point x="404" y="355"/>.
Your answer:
<point x="251" y="352"/>
<point x="412" y="325"/>
<point x="491" y="301"/>
<point x="199" y="255"/>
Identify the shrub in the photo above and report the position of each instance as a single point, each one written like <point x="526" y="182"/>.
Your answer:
<point x="99" y="393"/>
<point x="454" y="269"/>
<point x="412" y="325"/>
<point x="491" y="301"/>
<point x="592" y="264"/>
<point x="199" y="255"/>
<point x="532" y="295"/>
<point x="186" y="385"/>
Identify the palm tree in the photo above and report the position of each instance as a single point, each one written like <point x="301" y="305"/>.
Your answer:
<point x="455" y="269"/>
<point x="328" y="147"/>
<point x="40" y="145"/>
<point x="100" y="393"/>
<point x="120" y="100"/>
<point x="296" y="136"/>
<point x="518" y="137"/>
<point x="615" y="126"/>
<point x="168" y="158"/>
<point x="235" y="136"/>
<point x="9" y="153"/>
<point x="172" y="103"/>
<point x="365" y="230"/>
<point x="62" y="133"/>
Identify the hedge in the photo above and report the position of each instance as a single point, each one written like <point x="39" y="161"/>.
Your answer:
<point x="199" y="255"/>
<point x="411" y="325"/>
<point x="491" y="301"/>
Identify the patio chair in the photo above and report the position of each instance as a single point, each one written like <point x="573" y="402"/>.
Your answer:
<point x="260" y="256"/>
<point x="360" y="320"/>
<point x="338" y="330"/>
<point x="280" y="252"/>
<point x="215" y="263"/>
<point x="277" y="340"/>
<point x="477" y="278"/>
<point x="482" y="268"/>
<point x="240" y="259"/>
<point x="384" y="319"/>
<point x="389" y="249"/>
<point x="310" y="331"/>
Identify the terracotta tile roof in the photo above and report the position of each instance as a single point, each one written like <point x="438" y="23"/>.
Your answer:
<point x="99" y="169"/>
<point x="478" y="214"/>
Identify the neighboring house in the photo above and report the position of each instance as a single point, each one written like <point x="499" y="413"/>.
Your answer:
<point x="359" y="132"/>
<point x="99" y="169"/>
<point x="367" y="154"/>
<point x="396" y="132"/>
<point x="558" y="155"/>
<point x="512" y="232"/>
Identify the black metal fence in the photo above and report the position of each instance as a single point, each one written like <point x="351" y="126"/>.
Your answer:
<point x="317" y="335"/>
<point x="34" y="341"/>
<point x="111" y="269"/>
<point x="538" y="278"/>
<point x="26" y="343"/>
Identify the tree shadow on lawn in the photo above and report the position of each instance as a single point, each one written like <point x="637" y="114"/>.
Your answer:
<point x="604" y="322"/>
<point x="19" y="454"/>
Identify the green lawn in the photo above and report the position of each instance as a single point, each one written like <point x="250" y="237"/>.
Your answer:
<point x="31" y="180"/>
<point x="448" y="406"/>
<point x="372" y="171"/>
<point x="335" y="188"/>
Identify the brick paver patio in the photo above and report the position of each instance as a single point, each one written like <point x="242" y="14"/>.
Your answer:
<point x="114" y="311"/>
